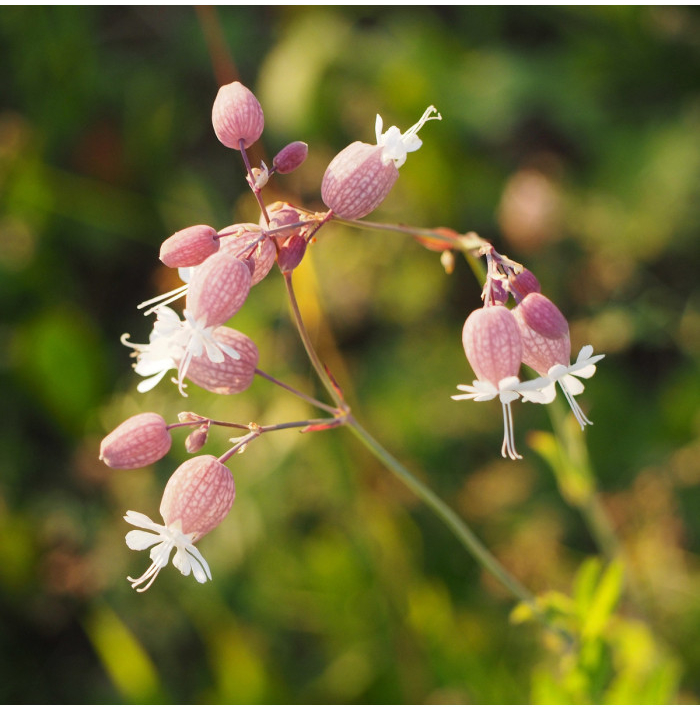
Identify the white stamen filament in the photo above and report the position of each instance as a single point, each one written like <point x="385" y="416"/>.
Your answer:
<point x="508" y="447"/>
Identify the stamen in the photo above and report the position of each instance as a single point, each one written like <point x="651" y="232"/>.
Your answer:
<point x="163" y="299"/>
<point x="575" y="408"/>
<point x="427" y="116"/>
<point x="508" y="447"/>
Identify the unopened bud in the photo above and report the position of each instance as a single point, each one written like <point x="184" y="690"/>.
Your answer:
<point x="244" y="242"/>
<point x="357" y="180"/>
<point x="230" y="376"/>
<point x="218" y="289"/>
<point x="291" y="253"/>
<point x="198" y="495"/>
<point x="189" y="247"/>
<point x="237" y="115"/>
<point x="281" y="214"/>
<point x="196" y="440"/>
<point x="139" y="441"/>
<point x="290" y="157"/>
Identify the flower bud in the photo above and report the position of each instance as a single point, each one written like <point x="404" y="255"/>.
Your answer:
<point x="357" y="180"/>
<point x="291" y="253"/>
<point x="218" y="289"/>
<point x="290" y="157"/>
<point x="196" y="440"/>
<point x="523" y="283"/>
<point x="189" y="247"/>
<point x="139" y="441"/>
<point x="544" y="333"/>
<point x="231" y="376"/>
<point x="281" y="214"/>
<point x="491" y="340"/>
<point x="237" y="115"/>
<point x="198" y="495"/>
<point x="244" y="241"/>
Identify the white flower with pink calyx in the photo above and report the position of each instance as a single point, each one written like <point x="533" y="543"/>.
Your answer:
<point x="491" y="341"/>
<point x="173" y="343"/>
<point x="196" y="499"/>
<point x="547" y="349"/>
<point x="359" y="177"/>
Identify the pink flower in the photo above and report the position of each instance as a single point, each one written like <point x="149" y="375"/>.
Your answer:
<point x="359" y="177"/>
<point x="491" y="340"/>
<point x="196" y="499"/>
<point x="139" y="441"/>
<point x="218" y="288"/>
<point x="547" y="349"/>
<point x="230" y="375"/>
<point x="237" y="116"/>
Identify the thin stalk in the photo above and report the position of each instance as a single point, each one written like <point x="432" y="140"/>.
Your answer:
<point x="308" y="346"/>
<point x="458" y="527"/>
<point x="309" y="399"/>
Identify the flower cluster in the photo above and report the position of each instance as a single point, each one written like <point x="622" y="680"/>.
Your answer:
<point x="219" y="267"/>
<point x="497" y="340"/>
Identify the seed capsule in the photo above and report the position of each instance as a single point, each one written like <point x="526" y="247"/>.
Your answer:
<point x="189" y="247"/>
<point x="139" y="441"/>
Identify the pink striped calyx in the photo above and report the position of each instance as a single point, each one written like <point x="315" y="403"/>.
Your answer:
<point x="492" y="344"/>
<point x="544" y="332"/>
<point x="248" y="242"/>
<point x="229" y="376"/>
<point x="190" y="246"/>
<point x="359" y="178"/>
<point x="198" y="496"/>
<point x="139" y="441"/>
<point x="237" y="116"/>
<point x="218" y="289"/>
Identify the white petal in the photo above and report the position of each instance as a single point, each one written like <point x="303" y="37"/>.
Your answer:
<point x="585" y="353"/>
<point x="139" y="540"/>
<point x="148" y="384"/>
<point x="138" y="519"/>
<point x="585" y="371"/>
<point x="507" y="396"/>
<point x="574" y="386"/>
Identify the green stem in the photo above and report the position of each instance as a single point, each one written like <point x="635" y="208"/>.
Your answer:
<point x="458" y="527"/>
<point x="308" y="346"/>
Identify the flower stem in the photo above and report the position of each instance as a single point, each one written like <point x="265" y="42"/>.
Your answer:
<point x="321" y="371"/>
<point x="309" y="399"/>
<point x="458" y="527"/>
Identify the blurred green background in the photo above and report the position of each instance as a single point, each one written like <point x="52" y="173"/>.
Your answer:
<point x="570" y="138"/>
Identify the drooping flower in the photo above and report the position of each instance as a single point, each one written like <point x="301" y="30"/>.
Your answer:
<point x="547" y="349"/>
<point x="359" y="177"/>
<point x="173" y="344"/>
<point x="492" y="344"/>
<point x="196" y="499"/>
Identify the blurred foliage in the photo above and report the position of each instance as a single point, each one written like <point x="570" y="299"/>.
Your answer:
<point x="571" y="138"/>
